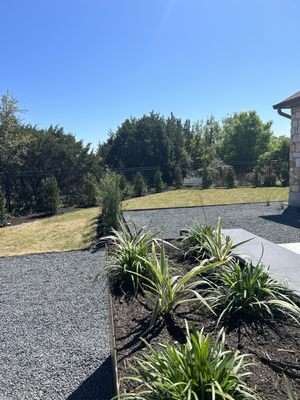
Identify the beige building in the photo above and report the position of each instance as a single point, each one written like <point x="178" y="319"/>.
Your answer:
<point x="293" y="103"/>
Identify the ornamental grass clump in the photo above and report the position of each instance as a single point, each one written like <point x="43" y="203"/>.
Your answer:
<point x="129" y="248"/>
<point x="200" y="369"/>
<point x="211" y="244"/>
<point x="167" y="291"/>
<point x="249" y="293"/>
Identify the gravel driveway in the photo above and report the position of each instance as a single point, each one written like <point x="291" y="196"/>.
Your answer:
<point x="269" y="222"/>
<point x="55" y="329"/>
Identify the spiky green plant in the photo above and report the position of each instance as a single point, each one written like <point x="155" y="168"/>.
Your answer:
<point x="249" y="292"/>
<point x="208" y="242"/>
<point x="200" y="369"/>
<point x="289" y="388"/>
<point x="167" y="292"/>
<point x="129" y="247"/>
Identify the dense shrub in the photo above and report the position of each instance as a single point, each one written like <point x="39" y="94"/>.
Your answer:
<point x="4" y="217"/>
<point x="199" y="369"/>
<point x="139" y="187"/>
<point x="88" y="196"/>
<point x="50" y="196"/>
<point x="257" y="179"/>
<point x="109" y="199"/>
<point x="230" y="178"/>
<point x="158" y="182"/>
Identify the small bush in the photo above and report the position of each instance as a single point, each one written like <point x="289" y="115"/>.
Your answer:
<point x="257" y="179"/>
<point x="230" y="178"/>
<point x="248" y="292"/>
<point x="88" y="196"/>
<point x="126" y="265"/>
<point x="4" y="216"/>
<point x="199" y="369"/>
<point x="50" y="196"/>
<point x="158" y="182"/>
<point x="206" y="178"/>
<point x="109" y="199"/>
<point x="139" y="187"/>
<point x="178" y="178"/>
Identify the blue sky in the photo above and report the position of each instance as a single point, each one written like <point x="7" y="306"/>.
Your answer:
<point x="89" y="64"/>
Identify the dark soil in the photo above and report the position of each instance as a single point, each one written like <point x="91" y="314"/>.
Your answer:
<point x="273" y="350"/>
<point x="35" y="216"/>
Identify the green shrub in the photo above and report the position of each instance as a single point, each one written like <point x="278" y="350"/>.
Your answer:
<point x="200" y="369"/>
<point x="139" y="187"/>
<point x="167" y="292"/>
<point x="230" y="178"/>
<point x="88" y="196"/>
<point x="110" y="201"/>
<point x="158" y="182"/>
<point x="257" y="178"/>
<point x="248" y="292"/>
<point x="4" y="216"/>
<point x="177" y="178"/>
<point x="193" y="240"/>
<point x="126" y="265"/>
<point x="206" y="178"/>
<point x="50" y="196"/>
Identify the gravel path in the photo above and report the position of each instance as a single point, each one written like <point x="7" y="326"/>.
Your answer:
<point x="269" y="222"/>
<point x="55" y="329"/>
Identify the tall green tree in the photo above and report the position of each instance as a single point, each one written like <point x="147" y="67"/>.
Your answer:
<point x="246" y="138"/>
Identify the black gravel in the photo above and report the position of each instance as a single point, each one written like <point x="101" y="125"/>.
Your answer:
<point x="55" y="328"/>
<point x="268" y="221"/>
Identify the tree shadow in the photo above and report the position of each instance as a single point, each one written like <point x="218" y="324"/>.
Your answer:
<point x="290" y="217"/>
<point x="98" y="386"/>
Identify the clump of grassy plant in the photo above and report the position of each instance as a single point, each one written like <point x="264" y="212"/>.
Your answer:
<point x="248" y="292"/>
<point x="129" y="249"/>
<point x="199" y="369"/>
<point x="289" y="388"/>
<point x="109" y="199"/>
<point x="209" y="243"/>
<point x="167" y="292"/>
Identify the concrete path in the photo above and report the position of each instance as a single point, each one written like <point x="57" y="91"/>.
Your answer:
<point x="284" y="264"/>
<point x="55" y="328"/>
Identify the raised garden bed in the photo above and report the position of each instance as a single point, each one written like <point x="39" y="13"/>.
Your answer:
<point x="273" y="349"/>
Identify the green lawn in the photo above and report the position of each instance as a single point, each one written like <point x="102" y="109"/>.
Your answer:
<point x="75" y="230"/>
<point x="194" y="197"/>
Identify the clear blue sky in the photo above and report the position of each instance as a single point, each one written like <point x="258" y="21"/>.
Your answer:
<point x="89" y="64"/>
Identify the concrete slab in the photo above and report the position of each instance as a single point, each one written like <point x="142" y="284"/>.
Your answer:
<point x="295" y="247"/>
<point x="284" y="264"/>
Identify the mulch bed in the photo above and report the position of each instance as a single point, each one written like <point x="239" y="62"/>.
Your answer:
<point x="272" y="349"/>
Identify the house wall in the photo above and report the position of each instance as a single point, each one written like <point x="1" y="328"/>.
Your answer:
<point x="294" y="194"/>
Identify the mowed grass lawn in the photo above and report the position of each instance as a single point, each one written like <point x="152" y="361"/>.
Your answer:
<point x="75" y="230"/>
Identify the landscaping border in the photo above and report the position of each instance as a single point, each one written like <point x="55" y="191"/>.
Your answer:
<point x="114" y="350"/>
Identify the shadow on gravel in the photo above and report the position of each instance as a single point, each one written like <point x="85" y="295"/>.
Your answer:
<point x="98" y="386"/>
<point x="290" y="217"/>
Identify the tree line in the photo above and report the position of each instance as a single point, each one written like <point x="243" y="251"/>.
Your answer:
<point x="149" y="153"/>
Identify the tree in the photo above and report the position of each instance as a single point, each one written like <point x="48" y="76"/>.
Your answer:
<point x="139" y="187"/>
<point x="50" y="197"/>
<point x="89" y="191"/>
<point x="158" y="182"/>
<point x="4" y="217"/>
<point x="13" y="144"/>
<point x="110" y="202"/>
<point x="178" y="179"/>
<point x="246" y="138"/>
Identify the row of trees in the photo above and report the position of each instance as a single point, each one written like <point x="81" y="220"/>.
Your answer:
<point x="148" y="152"/>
